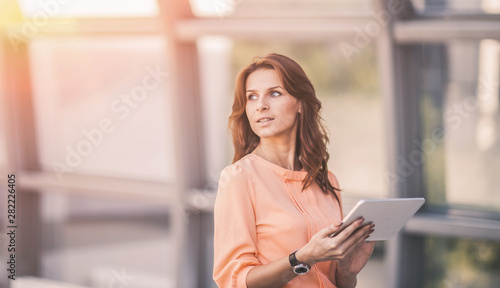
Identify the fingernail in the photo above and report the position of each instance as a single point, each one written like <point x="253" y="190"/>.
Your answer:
<point x="371" y="230"/>
<point x="361" y="220"/>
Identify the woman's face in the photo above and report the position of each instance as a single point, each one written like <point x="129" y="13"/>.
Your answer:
<point x="271" y="110"/>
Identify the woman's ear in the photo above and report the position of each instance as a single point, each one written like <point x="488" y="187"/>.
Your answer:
<point x="300" y="108"/>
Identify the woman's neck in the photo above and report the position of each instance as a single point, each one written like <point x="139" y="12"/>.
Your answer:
<point x="282" y="154"/>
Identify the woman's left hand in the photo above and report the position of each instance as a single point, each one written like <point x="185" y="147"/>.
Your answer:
<point x="356" y="260"/>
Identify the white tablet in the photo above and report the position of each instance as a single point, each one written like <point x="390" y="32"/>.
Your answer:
<point x="389" y="215"/>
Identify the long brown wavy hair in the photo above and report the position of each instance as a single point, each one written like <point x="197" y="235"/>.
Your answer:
<point x="311" y="137"/>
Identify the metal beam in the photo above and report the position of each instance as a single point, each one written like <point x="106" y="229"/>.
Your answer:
<point x="296" y="9"/>
<point x="303" y="29"/>
<point x="69" y="27"/>
<point x="397" y="71"/>
<point x="451" y="226"/>
<point x="182" y="59"/>
<point x="442" y="30"/>
<point x="102" y="187"/>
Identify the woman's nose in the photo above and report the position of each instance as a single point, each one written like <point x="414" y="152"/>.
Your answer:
<point x="262" y="104"/>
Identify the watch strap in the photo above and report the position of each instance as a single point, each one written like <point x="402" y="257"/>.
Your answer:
<point x="293" y="260"/>
<point x="297" y="267"/>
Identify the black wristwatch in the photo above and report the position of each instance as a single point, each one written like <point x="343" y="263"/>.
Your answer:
<point x="297" y="267"/>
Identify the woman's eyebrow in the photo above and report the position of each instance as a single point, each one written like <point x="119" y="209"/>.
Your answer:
<point x="270" y="88"/>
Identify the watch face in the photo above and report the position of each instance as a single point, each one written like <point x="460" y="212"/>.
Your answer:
<point x="300" y="269"/>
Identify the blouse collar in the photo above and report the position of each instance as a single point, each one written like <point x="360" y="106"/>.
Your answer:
<point x="286" y="174"/>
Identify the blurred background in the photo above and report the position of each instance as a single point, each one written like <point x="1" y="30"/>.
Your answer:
<point x="113" y="117"/>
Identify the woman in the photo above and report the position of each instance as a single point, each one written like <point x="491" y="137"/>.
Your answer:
<point x="277" y="204"/>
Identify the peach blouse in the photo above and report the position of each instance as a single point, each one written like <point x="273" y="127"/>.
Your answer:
<point x="262" y="215"/>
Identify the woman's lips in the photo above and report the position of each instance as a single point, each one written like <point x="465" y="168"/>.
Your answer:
<point x="265" y="120"/>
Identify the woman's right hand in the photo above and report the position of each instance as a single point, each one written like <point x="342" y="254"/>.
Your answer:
<point x="322" y="247"/>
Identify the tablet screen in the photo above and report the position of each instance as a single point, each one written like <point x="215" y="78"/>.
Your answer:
<point x="388" y="215"/>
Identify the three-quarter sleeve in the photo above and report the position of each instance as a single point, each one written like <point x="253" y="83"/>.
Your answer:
<point x="235" y="237"/>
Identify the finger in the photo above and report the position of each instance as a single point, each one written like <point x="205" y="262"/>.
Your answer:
<point x="330" y="229"/>
<point x="350" y="229"/>
<point x="352" y="243"/>
<point x="351" y="248"/>
<point x="366" y="247"/>
<point x="358" y="236"/>
<point x="363" y="232"/>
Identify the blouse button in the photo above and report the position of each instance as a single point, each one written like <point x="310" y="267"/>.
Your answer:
<point x="285" y="177"/>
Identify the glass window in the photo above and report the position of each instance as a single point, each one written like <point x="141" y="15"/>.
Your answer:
<point x="352" y="108"/>
<point x="461" y="124"/>
<point x="88" y="8"/>
<point x="216" y="82"/>
<point x="451" y="262"/>
<point x="105" y="243"/>
<point x="102" y="107"/>
<point x="457" y="6"/>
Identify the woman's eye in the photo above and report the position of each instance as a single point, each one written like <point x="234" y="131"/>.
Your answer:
<point x="252" y="97"/>
<point x="275" y="93"/>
